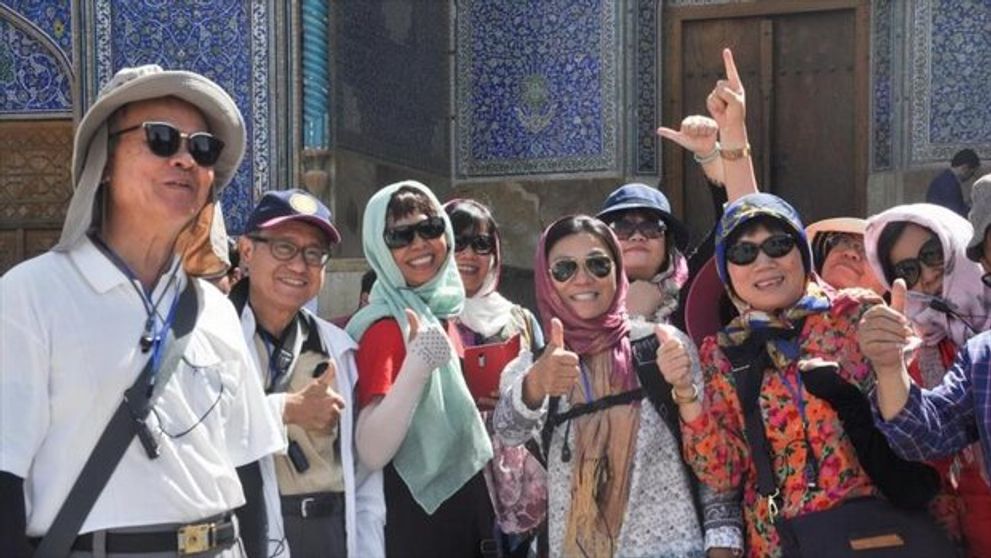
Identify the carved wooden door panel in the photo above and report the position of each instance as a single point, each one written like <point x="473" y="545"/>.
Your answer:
<point x="804" y="65"/>
<point x="35" y="159"/>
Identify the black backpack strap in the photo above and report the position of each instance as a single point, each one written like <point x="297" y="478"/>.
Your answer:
<point x="126" y="422"/>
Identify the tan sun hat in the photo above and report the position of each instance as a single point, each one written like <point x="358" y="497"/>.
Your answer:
<point x="129" y="85"/>
<point x="850" y="225"/>
<point x="980" y="216"/>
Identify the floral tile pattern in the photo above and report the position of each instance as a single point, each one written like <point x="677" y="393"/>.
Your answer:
<point x="225" y="40"/>
<point x="35" y="58"/>
<point x="950" y="49"/>
<point x="537" y="86"/>
<point x="646" y="72"/>
<point x="53" y="17"/>
<point x="882" y="110"/>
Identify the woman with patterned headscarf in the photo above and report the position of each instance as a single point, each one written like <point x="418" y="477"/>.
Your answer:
<point x="617" y="485"/>
<point x="776" y="413"/>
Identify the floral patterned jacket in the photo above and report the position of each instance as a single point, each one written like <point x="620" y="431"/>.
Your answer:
<point x="715" y="447"/>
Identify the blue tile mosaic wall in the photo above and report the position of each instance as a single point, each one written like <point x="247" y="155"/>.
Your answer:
<point x="537" y="86"/>
<point x="53" y="17"/>
<point x="32" y="78"/>
<point x="392" y="96"/>
<point x="225" y="40"/>
<point x="882" y="151"/>
<point x="949" y="77"/>
<point x="646" y="70"/>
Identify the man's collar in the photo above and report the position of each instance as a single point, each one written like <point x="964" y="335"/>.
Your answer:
<point x="102" y="274"/>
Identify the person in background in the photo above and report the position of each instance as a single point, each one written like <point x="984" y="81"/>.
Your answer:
<point x="100" y="314"/>
<point x="838" y="254"/>
<point x="319" y="500"/>
<point x="367" y="280"/>
<point x="417" y="420"/>
<point x="946" y="304"/>
<point x="945" y="189"/>
<point x="517" y="481"/>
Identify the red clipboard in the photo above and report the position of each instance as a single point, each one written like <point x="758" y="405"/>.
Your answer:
<point x="483" y="365"/>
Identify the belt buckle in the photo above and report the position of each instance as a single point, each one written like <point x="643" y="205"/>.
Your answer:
<point x="303" y="505"/>
<point x="196" y="538"/>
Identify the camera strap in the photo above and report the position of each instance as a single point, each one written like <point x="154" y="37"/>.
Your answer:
<point x="126" y="422"/>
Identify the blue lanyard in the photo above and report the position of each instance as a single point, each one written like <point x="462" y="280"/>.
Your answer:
<point x="811" y="462"/>
<point x="586" y="384"/>
<point x="158" y="341"/>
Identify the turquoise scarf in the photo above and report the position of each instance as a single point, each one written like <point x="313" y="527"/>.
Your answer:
<point x="446" y="444"/>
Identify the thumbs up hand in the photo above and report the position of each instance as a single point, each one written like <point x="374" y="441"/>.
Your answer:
<point x="427" y="347"/>
<point x="317" y="406"/>
<point x="555" y="372"/>
<point x="674" y="361"/>
<point x="885" y="334"/>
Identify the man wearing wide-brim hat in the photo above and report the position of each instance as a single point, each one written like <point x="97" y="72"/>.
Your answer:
<point x="110" y="310"/>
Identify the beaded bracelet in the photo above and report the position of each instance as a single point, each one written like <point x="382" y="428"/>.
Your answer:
<point x="707" y="158"/>
<point x="679" y="400"/>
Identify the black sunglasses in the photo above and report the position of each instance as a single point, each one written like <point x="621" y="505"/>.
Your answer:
<point x="625" y="228"/>
<point x="428" y="229"/>
<point x="931" y="254"/>
<point x="598" y="266"/>
<point x="775" y="246"/>
<point x="284" y="251"/>
<point x="164" y="140"/>
<point x="482" y="244"/>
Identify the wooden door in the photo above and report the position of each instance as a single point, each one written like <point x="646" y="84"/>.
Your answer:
<point x="804" y="66"/>
<point x="35" y="186"/>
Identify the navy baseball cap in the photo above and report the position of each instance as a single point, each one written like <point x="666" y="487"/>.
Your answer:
<point x="279" y="206"/>
<point x="637" y="196"/>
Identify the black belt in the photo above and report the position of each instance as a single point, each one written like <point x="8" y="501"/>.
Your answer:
<point x="313" y="505"/>
<point x="188" y="539"/>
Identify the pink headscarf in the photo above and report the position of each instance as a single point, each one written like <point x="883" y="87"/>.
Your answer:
<point x="963" y="290"/>
<point x="588" y="337"/>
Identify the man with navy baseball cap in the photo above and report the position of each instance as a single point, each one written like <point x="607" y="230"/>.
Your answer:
<point x="319" y="501"/>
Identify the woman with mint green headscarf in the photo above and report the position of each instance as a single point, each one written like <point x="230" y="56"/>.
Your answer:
<point x="416" y="417"/>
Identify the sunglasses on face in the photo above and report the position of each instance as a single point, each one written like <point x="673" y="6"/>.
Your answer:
<point x="284" y="251"/>
<point x="482" y="244"/>
<point x="931" y="254"/>
<point x="428" y="229"/>
<point x="164" y="140"/>
<point x="625" y="228"/>
<point x="775" y="246"/>
<point x="846" y="241"/>
<point x="597" y="266"/>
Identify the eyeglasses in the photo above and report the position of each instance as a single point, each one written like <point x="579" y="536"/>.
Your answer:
<point x="910" y="269"/>
<point x="164" y="140"/>
<point x="625" y="228"/>
<point x="775" y="246"/>
<point x="482" y="244"/>
<point x="846" y="241"/>
<point x="598" y="266"/>
<point x="428" y="229"/>
<point x="284" y="251"/>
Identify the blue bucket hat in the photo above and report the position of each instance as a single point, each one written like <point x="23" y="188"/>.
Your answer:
<point x="637" y="196"/>
<point x="292" y="205"/>
<point x="750" y="207"/>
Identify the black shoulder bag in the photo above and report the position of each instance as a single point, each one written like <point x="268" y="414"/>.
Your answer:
<point x="126" y="423"/>
<point x="868" y="527"/>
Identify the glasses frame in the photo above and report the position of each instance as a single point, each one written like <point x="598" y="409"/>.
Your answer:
<point x="206" y="157"/>
<point x="431" y="228"/>
<point x="854" y="241"/>
<point x="589" y="263"/>
<point x="649" y="229"/>
<point x="910" y="269"/>
<point x="481" y="244"/>
<point x="734" y="256"/>
<point x="310" y="261"/>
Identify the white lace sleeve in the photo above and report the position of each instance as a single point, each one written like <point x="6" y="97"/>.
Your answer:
<point x="515" y="423"/>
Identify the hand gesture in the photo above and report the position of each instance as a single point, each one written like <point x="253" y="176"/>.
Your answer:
<point x="674" y="361"/>
<point x="728" y="101"/>
<point x="697" y="134"/>
<point x="317" y="406"/>
<point x="885" y="334"/>
<point x="428" y="344"/>
<point x="556" y="371"/>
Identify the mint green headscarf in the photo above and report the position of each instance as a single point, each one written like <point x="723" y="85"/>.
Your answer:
<point x="446" y="443"/>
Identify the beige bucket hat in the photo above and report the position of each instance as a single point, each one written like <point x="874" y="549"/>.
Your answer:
<point x="129" y="85"/>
